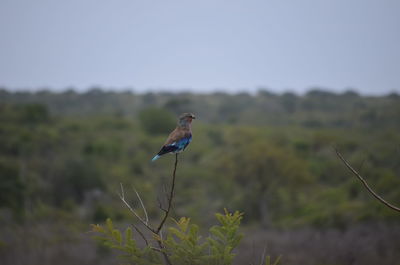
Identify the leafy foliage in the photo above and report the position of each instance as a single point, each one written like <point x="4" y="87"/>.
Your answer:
<point x="125" y="243"/>
<point x="183" y="244"/>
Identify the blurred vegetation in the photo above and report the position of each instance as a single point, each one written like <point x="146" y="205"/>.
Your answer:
<point x="63" y="155"/>
<point x="267" y="155"/>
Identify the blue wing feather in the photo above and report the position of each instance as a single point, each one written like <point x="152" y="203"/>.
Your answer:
<point x="182" y="143"/>
<point x="175" y="147"/>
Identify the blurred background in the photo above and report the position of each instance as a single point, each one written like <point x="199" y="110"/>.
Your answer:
<point x="89" y="90"/>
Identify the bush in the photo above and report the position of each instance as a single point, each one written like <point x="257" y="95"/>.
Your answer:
<point x="182" y="245"/>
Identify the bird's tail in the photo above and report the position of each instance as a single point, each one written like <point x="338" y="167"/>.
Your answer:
<point x="155" y="158"/>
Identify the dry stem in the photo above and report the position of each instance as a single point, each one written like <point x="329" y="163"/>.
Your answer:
<point x="145" y="221"/>
<point x="364" y="182"/>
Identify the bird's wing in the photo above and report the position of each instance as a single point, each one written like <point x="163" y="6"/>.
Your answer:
<point x="177" y="141"/>
<point x="176" y="135"/>
<point x="184" y="142"/>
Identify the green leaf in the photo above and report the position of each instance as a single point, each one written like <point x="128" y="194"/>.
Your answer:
<point x="117" y="235"/>
<point x="178" y="233"/>
<point x="216" y="231"/>
<point x="128" y="234"/>
<point x="109" y="225"/>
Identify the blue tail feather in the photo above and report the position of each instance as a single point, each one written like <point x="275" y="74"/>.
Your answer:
<point x="155" y="158"/>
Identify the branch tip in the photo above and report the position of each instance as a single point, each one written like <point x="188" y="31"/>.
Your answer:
<point x="364" y="182"/>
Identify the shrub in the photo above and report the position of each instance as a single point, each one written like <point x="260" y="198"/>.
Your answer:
<point x="182" y="245"/>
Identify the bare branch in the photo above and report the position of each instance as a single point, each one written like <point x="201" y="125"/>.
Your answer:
<point x="141" y="203"/>
<point x="156" y="249"/>
<point x="145" y="222"/>
<point x="170" y="197"/>
<point x="141" y="234"/>
<point x="166" y="258"/>
<point x="379" y="198"/>
<point x="122" y="197"/>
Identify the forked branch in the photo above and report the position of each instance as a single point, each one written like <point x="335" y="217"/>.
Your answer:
<point x="141" y="203"/>
<point x="145" y="221"/>
<point x="364" y="182"/>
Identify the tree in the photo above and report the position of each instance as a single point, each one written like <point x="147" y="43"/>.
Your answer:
<point x="266" y="176"/>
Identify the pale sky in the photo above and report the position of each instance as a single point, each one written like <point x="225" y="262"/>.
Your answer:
<point x="201" y="45"/>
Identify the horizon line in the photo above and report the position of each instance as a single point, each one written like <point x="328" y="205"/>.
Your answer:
<point x="191" y="90"/>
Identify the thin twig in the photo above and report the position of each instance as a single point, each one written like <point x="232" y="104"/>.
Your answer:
<point x="141" y="234"/>
<point x="158" y="231"/>
<point x="166" y="258"/>
<point x="170" y="197"/>
<point x="156" y="249"/>
<point x="122" y="197"/>
<point x="141" y="203"/>
<point x="379" y="198"/>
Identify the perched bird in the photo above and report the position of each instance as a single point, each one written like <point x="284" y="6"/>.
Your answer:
<point x="179" y="138"/>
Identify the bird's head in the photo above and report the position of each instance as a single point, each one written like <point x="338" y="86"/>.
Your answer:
<point x="185" y="119"/>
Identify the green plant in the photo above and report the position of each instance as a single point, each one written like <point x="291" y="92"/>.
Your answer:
<point x="183" y="244"/>
<point x="124" y="241"/>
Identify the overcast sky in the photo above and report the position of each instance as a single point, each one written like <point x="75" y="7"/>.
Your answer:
<point x="201" y="45"/>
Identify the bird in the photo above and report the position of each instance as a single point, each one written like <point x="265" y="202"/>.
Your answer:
<point x="179" y="138"/>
